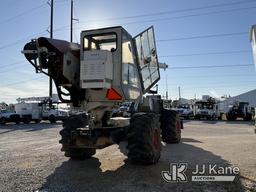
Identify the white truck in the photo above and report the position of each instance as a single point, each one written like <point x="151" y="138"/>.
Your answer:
<point x="29" y="112"/>
<point x="37" y="109"/>
<point x="233" y="109"/>
<point x="222" y="109"/>
<point x="54" y="113"/>
<point x="185" y="111"/>
<point x="206" y="109"/>
<point x="9" y="116"/>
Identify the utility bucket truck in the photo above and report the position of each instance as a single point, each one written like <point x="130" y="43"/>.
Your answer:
<point x="30" y="109"/>
<point x="206" y="109"/>
<point x="37" y="109"/>
<point x="108" y="67"/>
<point x="239" y="109"/>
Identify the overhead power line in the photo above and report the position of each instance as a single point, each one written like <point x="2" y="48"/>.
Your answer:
<point x="153" y="20"/>
<point x="12" y="64"/>
<point x="203" y="36"/>
<point x="207" y="76"/>
<point x="29" y="11"/>
<point x="187" y="16"/>
<point x="19" y="82"/>
<point x="21" y="40"/>
<point x="210" y="66"/>
<point x="171" y="11"/>
<point x="209" y="84"/>
<point x="23" y="13"/>
<point x="13" y="68"/>
<point x="207" y="53"/>
<point x="245" y="84"/>
<point x="219" y="82"/>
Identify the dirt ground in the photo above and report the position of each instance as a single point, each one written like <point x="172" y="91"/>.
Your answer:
<point x="31" y="160"/>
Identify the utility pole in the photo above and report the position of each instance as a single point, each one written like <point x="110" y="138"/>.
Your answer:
<point x="166" y="88"/>
<point x="51" y="36"/>
<point x="71" y="22"/>
<point x="179" y="93"/>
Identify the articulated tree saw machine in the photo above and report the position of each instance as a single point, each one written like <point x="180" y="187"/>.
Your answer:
<point x="108" y="67"/>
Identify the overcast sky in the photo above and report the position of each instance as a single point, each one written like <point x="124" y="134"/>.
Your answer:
<point x="196" y="38"/>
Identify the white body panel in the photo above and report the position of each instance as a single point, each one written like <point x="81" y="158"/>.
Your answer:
<point x="32" y="109"/>
<point x="96" y="69"/>
<point x="223" y="107"/>
<point x="55" y="113"/>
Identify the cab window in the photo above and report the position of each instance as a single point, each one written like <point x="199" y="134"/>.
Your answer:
<point x="129" y="69"/>
<point x="107" y="41"/>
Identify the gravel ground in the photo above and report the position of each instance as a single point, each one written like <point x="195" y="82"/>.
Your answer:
<point x="30" y="160"/>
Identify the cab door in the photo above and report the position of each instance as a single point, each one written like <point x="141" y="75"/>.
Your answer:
<point x="147" y="58"/>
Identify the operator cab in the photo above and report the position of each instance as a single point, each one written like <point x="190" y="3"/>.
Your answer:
<point x="109" y="65"/>
<point x="112" y="60"/>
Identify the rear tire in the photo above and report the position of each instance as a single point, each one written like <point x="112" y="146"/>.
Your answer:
<point x="144" y="142"/>
<point x="26" y="120"/>
<point x="71" y="124"/>
<point x="171" y="126"/>
<point x="231" y="117"/>
<point x="248" y="117"/>
<point x="37" y="121"/>
<point x="52" y="119"/>
<point x="2" y="121"/>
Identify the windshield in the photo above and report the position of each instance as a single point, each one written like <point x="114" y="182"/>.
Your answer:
<point x="205" y="105"/>
<point x="106" y="41"/>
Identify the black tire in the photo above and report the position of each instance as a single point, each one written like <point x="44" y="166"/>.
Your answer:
<point x="26" y="120"/>
<point x="220" y="116"/>
<point x="37" y="120"/>
<point x="70" y="124"/>
<point x="212" y="118"/>
<point x="17" y="122"/>
<point x="144" y="141"/>
<point x="248" y="117"/>
<point x="52" y="119"/>
<point x="170" y="126"/>
<point x="231" y="117"/>
<point x="197" y="117"/>
<point x="2" y="121"/>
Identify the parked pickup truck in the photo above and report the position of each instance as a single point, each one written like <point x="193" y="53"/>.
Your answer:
<point x="8" y="116"/>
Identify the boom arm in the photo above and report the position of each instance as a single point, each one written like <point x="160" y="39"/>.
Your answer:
<point x="62" y="59"/>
